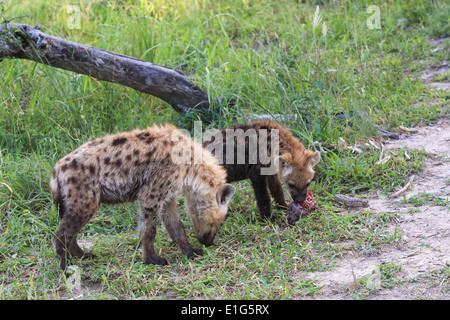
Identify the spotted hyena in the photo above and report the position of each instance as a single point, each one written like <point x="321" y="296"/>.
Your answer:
<point x="296" y="162"/>
<point x="139" y="165"/>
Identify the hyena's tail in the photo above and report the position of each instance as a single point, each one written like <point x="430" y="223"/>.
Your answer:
<point x="56" y="193"/>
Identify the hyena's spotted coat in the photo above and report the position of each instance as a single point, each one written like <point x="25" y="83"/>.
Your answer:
<point x="138" y="165"/>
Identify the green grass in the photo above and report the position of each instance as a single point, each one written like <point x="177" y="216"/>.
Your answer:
<point x="266" y="56"/>
<point x="426" y="198"/>
<point x="383" y="276"/>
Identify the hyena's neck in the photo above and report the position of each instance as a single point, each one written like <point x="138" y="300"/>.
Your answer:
<point x="199" y="167"/>
<point x="203" y="178"/>
<point x="204" y="174"/>
<point x="289" y="144"/>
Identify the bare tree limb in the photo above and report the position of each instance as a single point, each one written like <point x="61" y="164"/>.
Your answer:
<point x="351" y="202"/>
<point x="24" y="42"/>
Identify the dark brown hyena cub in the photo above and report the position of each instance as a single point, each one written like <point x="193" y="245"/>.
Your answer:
<point x="296" y="163"/>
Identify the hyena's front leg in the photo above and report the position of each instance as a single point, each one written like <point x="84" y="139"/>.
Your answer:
<point x="259" y="185"/>
<point x="147" y="232"/>
<point x="276" y="190"/>
<point x="172" y="222"/>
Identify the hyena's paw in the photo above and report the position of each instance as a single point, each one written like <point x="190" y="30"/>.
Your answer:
<point x="194" y="253"/>
<point x="156" y="260"/>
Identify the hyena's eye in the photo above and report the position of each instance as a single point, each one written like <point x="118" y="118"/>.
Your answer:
<point x="292" y="186"/>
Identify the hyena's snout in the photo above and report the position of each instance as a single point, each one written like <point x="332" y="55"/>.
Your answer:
<point x="206" y="238"/>
<point x="299" y="196"/>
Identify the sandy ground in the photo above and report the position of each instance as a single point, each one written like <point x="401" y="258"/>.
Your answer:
<point x="424" y="249"/>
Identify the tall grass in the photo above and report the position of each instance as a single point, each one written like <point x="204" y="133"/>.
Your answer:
<point x="263" y="54"/>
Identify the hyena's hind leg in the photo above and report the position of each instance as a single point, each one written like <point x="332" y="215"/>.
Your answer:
<point x="175" y="228"/>
<point x="75" y="218"/>
<point x="76" y="252"/>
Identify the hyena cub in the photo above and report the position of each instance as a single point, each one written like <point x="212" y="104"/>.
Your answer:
<point x="139" y="165"/>
<point x="296" y="163"/>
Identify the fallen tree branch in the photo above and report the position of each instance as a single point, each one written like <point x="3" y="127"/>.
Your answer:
<point x="351" y="202"/>
<point x="402" y="190"/>
<point x="24" y="42"/>
<point x="383" y="132"/>
<point x="388" y="134"/>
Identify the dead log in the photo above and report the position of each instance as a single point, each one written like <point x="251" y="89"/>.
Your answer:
<point x="351" y="202"/>
<point x="24" y="42"/>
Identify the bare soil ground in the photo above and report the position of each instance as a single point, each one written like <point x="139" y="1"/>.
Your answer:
<point x="423" y="251"/>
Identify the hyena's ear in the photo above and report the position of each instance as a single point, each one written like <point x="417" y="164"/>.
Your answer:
<point x="314" y="159"/>
<point x="225" y="194"/>
<point x="283" y="161"/>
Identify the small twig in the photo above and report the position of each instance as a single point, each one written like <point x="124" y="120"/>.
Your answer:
<point x="402" y="190"/>
<point x="6" y="21"/>
<point x="9" y="188"/>
<point x="408" y="130"/>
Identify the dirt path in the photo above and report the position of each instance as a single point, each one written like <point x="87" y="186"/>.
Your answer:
<point x="423" y="253"/>
<point x="424" y="248"/>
